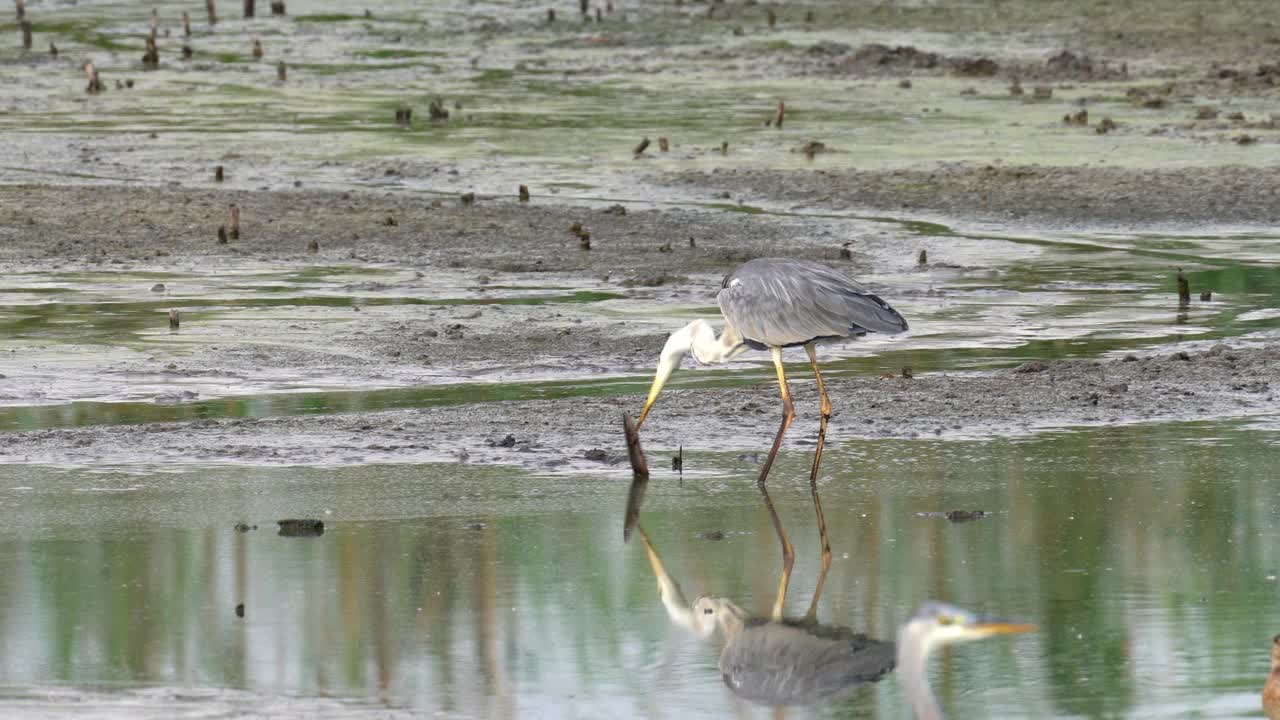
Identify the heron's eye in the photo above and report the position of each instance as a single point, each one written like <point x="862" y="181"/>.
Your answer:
<point x="945" y="620"/>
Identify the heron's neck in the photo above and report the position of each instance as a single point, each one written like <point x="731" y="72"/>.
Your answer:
<point x="708" y="349"/>
<point x="913" y="656"/>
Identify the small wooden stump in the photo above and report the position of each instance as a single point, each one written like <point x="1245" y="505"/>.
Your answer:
<point x="773" y="18"/>
<point x="778" y="115"/>
<point x="282" y="72"/>
<point x="222" y="234"/>
<point x="313" y="247"/>
<point x="95" y="83"/>
<point x="1184" y="288"/>
<point x="25" y="27"/>
<point x="173" y="319"/>
<point x="187" y="52"/>
<point x="583" y="235"/>
<point x="217" y="173"/>
<point x="257" y="49"/>
<point x="663" y="145"/>
<point x="186" y="24"/>
<point x="212" y="11"/>
<point x="277" y="7"/>
<point x="1206" y="295"/>
<point x="248" y="8"/>
<point x="724" y="148"/>
<point x="922" y="259"/>
<point x="551" y="15"/>
<point x="404" y="117"/>
<point x="234" y="231"/>
<point x="644" y="144"/>
<point x="151" y="58"/>
<point x="21" y="8"/>
<point x="53" y="50"/>
<point x="523" y="194"/>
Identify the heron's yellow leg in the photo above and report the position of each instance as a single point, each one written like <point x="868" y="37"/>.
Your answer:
<point x="813" y="481"/>
<point x="788" y="414"/>
<point x="788" y="555"/>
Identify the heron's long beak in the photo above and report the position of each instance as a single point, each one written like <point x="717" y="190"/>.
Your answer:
<point x="666" y="365"/>
<point x="987" y="628"/>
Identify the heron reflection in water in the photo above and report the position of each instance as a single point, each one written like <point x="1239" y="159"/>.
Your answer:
<point x="778" y="662"/>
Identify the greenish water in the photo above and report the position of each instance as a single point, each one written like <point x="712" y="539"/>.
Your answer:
<point x="1147" y="555"/>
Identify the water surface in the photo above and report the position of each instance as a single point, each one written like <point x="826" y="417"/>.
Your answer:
<point x="1147" y="554"/>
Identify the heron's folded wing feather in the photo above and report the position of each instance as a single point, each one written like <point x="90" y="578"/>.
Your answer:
<point x="777" y="301"/>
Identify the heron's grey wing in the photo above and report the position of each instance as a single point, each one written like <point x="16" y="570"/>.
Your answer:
<point x="779" y="664"/>
<point x="782" y="301"/>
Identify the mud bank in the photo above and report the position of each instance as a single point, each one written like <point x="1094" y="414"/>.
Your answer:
<point x="584" y="434"/>
<point x="1060" y="196"/>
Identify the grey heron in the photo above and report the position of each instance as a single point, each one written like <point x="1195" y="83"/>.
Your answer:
<point x="779" y="662"/>
<point x="771" y="304"/>
<point x="775" y="661"/>
<point x="934" y="625"/>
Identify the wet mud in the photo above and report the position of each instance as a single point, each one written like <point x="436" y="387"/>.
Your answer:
<point x="559" y="435"/>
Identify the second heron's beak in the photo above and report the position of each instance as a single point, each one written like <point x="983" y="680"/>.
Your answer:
<point x="986" y="628"/>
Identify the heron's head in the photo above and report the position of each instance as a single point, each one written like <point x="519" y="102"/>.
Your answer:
<point x="710" y="613"/>
<point x="678" y="345"/>
<point x="935" y="624"/>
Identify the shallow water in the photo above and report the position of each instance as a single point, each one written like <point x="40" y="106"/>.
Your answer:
<point x="1147" y="555"/>
<point x="88" y="348"/>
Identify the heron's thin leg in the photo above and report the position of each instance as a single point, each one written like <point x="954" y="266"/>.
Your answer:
<point x="788" y="555"/>
<point x="788" y="414"/>
<point x="813" y="481"/>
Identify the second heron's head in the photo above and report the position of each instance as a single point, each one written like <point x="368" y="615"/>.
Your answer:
<point x="935" y="624"/>
<point x="678" y="345"/>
